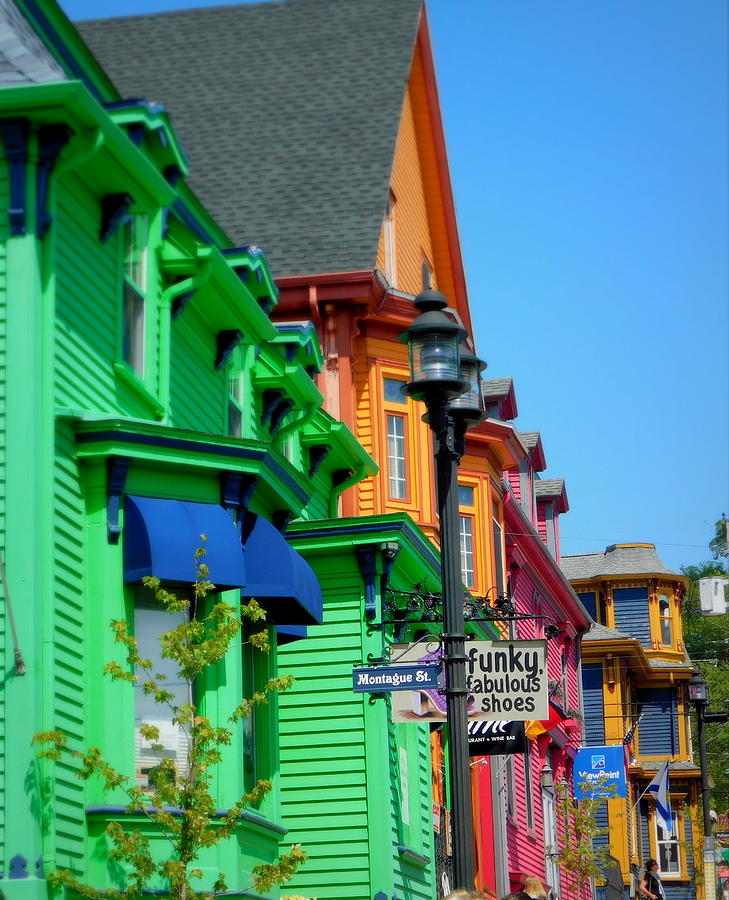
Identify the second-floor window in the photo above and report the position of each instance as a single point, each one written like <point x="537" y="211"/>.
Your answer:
<point x="135" y="289"/>
<point x="466" y="503"/>
<point x="664" y="613"/>
<point x="396" y="421"/>
<point x="668" y="851"/>
<point x="498" y="551"/>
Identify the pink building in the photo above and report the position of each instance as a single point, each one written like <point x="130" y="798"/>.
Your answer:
<point x="522" y="789"/>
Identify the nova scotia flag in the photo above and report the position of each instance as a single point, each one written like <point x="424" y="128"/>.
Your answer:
<point x="659" y="788"/>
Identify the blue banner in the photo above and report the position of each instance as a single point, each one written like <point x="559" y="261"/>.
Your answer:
<point x="600" y="772"/>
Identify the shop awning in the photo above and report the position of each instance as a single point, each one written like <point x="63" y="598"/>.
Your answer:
<point x="285" y="634"/>
<point x="161" y="537"/>
<point x="280" y="580"/>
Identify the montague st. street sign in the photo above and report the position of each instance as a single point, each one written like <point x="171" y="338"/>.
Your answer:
<point x="378" y="679"/>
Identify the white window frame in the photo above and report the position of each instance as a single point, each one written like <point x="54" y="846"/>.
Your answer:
<point x="397" y="463"/>
<point x="468" y="565"/>
<point x="135" y="239"/>
<point x="672" y="841"/>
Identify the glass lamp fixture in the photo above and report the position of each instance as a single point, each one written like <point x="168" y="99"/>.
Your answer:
<point x="469" y="406"/>
<point x="697" y="689"/>
<point x="433" y="341"/>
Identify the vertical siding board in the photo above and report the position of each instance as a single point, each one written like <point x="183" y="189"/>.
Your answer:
<point x="658" y="729"/>
<point x="194" y="383"/>
<point x="4" y="202"/>
<point x="631" y="613"/>
<point x="594" y="704"/>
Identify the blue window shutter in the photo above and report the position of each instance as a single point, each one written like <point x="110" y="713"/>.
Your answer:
<point x="589" y="601"/>
<point x="601" y="820"/>
<point x="658" y="729"/>
<point x="594" y="705"/>
<point x="631" y="613"/>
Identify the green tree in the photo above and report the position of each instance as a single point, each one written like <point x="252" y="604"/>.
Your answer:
<point x="583" y="856"/>
<point x="180" y="804"/>
<point x="719" y="544"/>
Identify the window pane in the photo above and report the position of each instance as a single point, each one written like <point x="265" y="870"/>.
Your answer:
<point x="395" y="391"/>
<point x="465" y="495"/>
<point x="396" y="457"/>
<point x="135" y="250"/>
<point x="249" y="722"/>
<point x="235" y="419"/>
<point x="666" y="633"/>
<point x="133" y="329"/>
<point x="467" y="572"/>
<point x="150" y="622"/>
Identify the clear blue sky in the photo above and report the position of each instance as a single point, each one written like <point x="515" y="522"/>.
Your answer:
<point x="589" y="152"/>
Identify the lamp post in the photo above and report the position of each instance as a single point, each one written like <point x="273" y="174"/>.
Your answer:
<point x="699" y="696"/>
<point x="446" y="377"/>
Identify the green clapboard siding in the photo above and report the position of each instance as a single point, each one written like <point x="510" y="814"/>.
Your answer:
<point x="196" y="389"/>
<point x="4" y="201"/>
<point x="324" y="784"/>
<point x="87" y="302"/>
<point x="69" y="701"/>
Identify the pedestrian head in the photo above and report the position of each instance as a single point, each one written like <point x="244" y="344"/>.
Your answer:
<point x="534" y="887"/>
<point x="649" y="865"/>
<point x="462" y="894"/>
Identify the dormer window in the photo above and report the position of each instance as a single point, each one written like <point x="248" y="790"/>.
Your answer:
<point x="236" y="393"/>
<point x="664" y="613"/>
<point x="134" y="234"/>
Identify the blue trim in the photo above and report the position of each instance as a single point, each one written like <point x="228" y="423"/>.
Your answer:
<point x="135" y="103"/>
<point x="225" y="343"/>
<point x="367" y="562"/>
<point x="151" y="440"/>
<point x="18" y="867"/>
<point x="14" y="135"/>
<point x="51" y="140"/>
<point x="117" y="468"/>
<point x="161" y="538"/>
<point x="187" y="218"/>
<point x="62" y="50"/>
<point x="246" y="815"/>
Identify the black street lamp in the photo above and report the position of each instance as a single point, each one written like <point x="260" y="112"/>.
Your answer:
<point x="698" y="692"/>
<point x="446" y="377"/>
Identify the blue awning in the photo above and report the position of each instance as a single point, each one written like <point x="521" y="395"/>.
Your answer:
<point x="285" y="634"/>
<point x="161" y="537"/>
<point x="281" y="581"/>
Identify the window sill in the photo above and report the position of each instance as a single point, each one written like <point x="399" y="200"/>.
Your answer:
<point x="413" y="857"/>
<point x="126" y="374"/>
<point x="246" y="816"/>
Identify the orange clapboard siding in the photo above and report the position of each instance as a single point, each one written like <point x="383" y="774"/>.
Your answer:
<point x="419" y="219"/>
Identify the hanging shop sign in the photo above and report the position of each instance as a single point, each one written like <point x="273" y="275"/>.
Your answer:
<point x="395" y="678"/>
<point x="506" y="680"/>
<point x="492" y="738"/>
<point x="600" y="772"/>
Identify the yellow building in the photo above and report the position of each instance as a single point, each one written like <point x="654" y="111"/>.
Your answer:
<point x="634" y="674"/>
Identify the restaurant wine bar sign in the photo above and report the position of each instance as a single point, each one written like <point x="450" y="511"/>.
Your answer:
<point x="491" y="738"/>
<point x="506" y="680"/>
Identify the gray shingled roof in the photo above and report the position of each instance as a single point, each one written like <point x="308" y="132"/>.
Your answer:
<point x="530" y="439"/>
<point x="548" y="487"/>
<point x="618" y="559"/>
<point x="599" y="632"/>
<point x="289" y="112"/>
<point x="495" y="387"/>
<point x="24" y="59"/>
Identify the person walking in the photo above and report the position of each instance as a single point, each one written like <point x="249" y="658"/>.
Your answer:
<point x="651" y="885"/>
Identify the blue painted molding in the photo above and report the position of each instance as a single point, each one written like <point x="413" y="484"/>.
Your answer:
<point x="283" y="408"/>
<point x="172" y="176"/>
<point x="367" y="561"/>
<point x="117" y="468"/>
<point x="14" y="134"/>
<point x="317" y="454"/>
<point x="225" y="343"/>
<point x="18" y="867"/>
<point x="187" y="218"/>
<point x="114" y="211"/>
<point x="151" y="440"/>
<point x="51" y="140"/>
